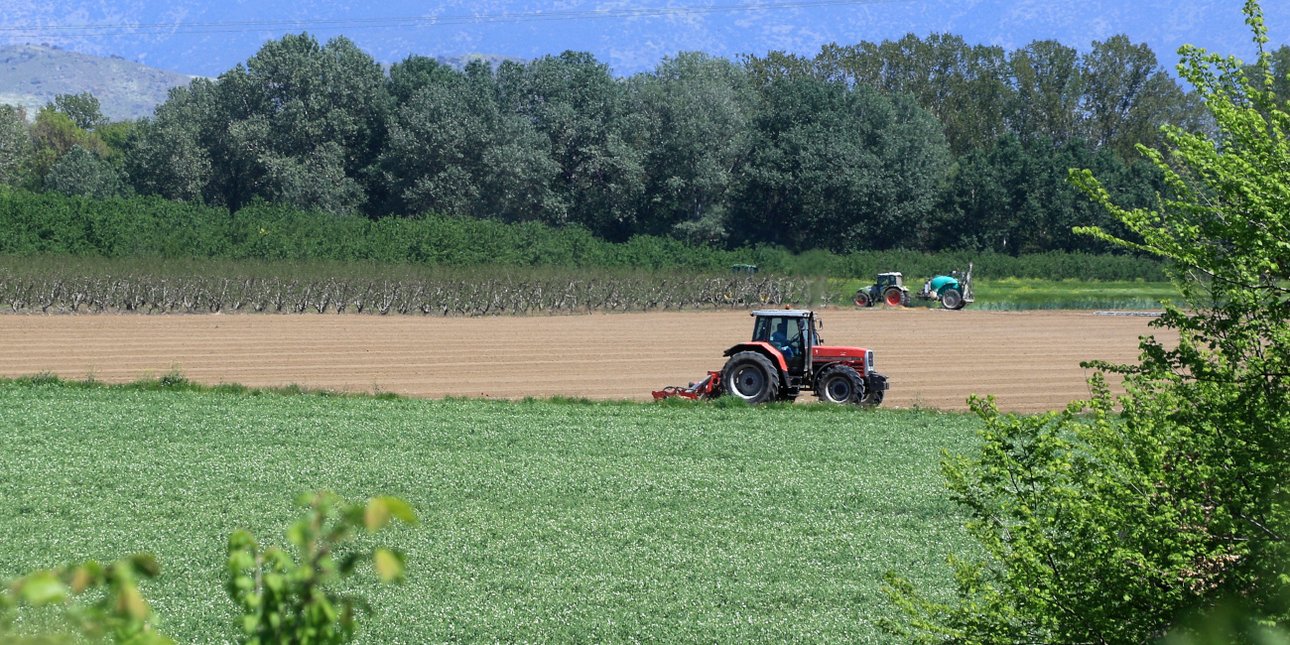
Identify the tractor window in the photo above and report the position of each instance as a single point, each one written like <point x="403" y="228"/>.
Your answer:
<point x="782" y="329"/>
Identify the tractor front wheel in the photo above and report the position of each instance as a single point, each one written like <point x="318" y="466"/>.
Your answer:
<point x="895" y="298"/>
<point x="840" y="384"/>
<point x="862" y="299"/>
<point x="952" y="299"/>
<point x="874" y="399"/>
<point x="751" y="377"/>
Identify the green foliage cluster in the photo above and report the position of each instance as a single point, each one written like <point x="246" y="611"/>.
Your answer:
<point x="546" y="520"/>
<point x="1163" y="512"/>
<point x="284" y="597"/>
<point x="292" y="599"/>
<point x="151" y="227"/>
<point x="96" y="601"/>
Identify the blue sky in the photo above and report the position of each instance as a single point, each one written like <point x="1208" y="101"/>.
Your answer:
<point x="207" y="38"/>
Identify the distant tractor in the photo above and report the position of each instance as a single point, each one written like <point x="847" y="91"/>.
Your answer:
<point x="949" y="290"/>
<point x="890" y="289"/>
<point x="785" y="356"/>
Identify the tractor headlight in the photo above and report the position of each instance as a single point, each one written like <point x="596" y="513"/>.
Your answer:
<point x="868" y="361"/>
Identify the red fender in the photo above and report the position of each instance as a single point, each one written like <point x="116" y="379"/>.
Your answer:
<point x="763" y="347"/>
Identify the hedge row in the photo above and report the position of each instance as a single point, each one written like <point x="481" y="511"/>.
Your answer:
<point x="33" y="224"/>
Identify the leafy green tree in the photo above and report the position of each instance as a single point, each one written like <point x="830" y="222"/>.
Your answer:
<point x="1127" y="96"/>
<point x="81" y="172"/>
<point x="452" y="150"/>
<point x="15" y="145"/>
<point x="574" y="102"/>
<point x="966" y="87"/>
<point x="300" y="123"/>
<point x="1171" y="500"/>
<point x="698" y="110"/>
<point x="1279" y="60"/>
<point x="171" y="154"/>
<point x="54" y="134"/>
<point x="1015" y="197"/>
<point x="839" y="169"/>
<point x="83" y="109"/>
<point x="1049" y="86"/>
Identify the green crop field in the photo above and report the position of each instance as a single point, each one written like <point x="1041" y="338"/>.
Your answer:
<point x="540" y="520"/>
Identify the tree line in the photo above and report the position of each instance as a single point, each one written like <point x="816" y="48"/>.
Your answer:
<point x="920" y="143"/>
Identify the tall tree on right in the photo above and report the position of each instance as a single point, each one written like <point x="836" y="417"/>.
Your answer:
<point x="1164" y="512"/>
<point x="1127" y="96"/>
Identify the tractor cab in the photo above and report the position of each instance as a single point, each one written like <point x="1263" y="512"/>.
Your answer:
<point x="792" y="332"/>
<point x="891" y="279"/>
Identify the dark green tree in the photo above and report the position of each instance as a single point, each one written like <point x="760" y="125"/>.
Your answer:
<point x="1015" y="197"/>
<point x="966" y="87"/>
<point x="1049" y="86"/>
<point x="840" y="169"/>
<point x="171" y="154"/>
<point x="598" y="146"/>
<point x="698" y="110"/>
<point x="83" y="109"/>
<point x="300" y="124"/>
<point x="1127" y="96"/>
<point x="15" y="145"/>
<point x="81" y="172"/>
<point x="451" y="150"/>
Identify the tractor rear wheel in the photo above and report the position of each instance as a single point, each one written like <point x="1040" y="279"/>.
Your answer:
<point x="952" y="299"/>
<point x="840" y="384"/>
<point x="895" y="298"/>
<point x="862" y="299"/>
<point x="751" y="377"/>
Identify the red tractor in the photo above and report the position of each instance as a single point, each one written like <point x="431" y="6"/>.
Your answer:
<point x="785" y="356"/>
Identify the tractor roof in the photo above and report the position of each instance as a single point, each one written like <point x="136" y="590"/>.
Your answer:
<point x="892" y="273"/>
<point x="791" y="313"/>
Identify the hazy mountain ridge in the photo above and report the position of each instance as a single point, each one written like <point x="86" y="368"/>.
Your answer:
<point x="208" y="38"/>
<point x="32" y="75"/>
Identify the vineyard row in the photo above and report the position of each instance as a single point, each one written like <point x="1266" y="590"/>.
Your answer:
<point x="432" y="297"/>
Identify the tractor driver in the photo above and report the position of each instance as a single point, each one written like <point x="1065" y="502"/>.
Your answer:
<point x="779" y="338"/>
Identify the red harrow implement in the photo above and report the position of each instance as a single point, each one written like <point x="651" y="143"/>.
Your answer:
<point x="709" y="387"/>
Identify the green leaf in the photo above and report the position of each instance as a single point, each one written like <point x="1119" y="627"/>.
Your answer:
<point x="130" y="603"/>
<point x="43" y="588"/>
<point x="389" y="564"/>
<point x="381" y="509"/>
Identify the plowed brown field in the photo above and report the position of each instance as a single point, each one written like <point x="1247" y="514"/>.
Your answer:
<point x="934" y="358"/>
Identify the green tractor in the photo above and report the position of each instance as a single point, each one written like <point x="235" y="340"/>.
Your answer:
<point x="949" y="290"/>
<point x="889" y="289"/>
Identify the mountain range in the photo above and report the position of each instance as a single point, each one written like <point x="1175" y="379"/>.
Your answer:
<point x="31" y="76"/>
<point x="200" y="38"/>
